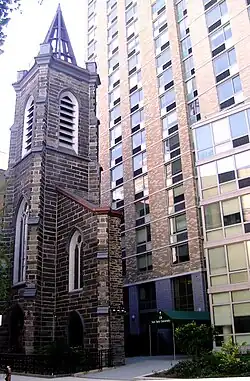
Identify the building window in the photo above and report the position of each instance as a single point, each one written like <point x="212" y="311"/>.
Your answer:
<point x="112" y="16"/>
<point x="181" y="9"/>
<point x="223" y="65"/>
<point x="163" y="61"/>
<point x="176" y="199"/>
<point x="147" y="296"/>
<point x="194" y="111"/>
<point x="220" y="40"/>
<point x="162" y="42"/>
<point x="228" y="90"/>
<point x="144" y="262"/>
<point x="92" y="49"/>
<point x="114" y="97"/>
<point x="114" y="80"/>
<point x="130" y="13"/>
<point x="113" y="63"/>
<point x="158" y="7"/>
<point x="189" y="69"/>
<point x="118" y="198"/>
<point x="69" y="115"/>
<point x="172" y="147"/>
<point x="167" y="101"/>
<point x="217" y="16"/>
<point x="186" y="47"/>
<point x="183" y="293"/>
<point x="113" y="31"/>
<point x="91" y="8"/>
<point x="134" y="81"/>
<point x="166" y="80"/>
<point x="160" y="24"/>
<point x="115" y="115"/>
<point x="169" y="124"/>
<point x="180" y="253"/>
<point x="184" y="27"/>
<point x="132" y="45"/>
<point x="143" y="239"/>
<point x="91" y="22"/>
<point x="111" y="4"/>
<point x="136" y="100"/>
<point x="115" y="135"/>
<point x="191" y="89"/>
<point x="142" y="212"/>
<point x="113" y="47"/>
<point x="141" y="187"/>
<point x="28" y="126"/>
<point x="174" y="172"/>
<point x="178" y="227"/>
<point x="132" y="30"/>
<point x="75" y="273"/>
<point x="134" y="63"/>
<point x="140" y="163"/>
<point x="21" y="237"/>
<point x="139" y="141"/>
<point x="117" y="175"/>
<point x="137" y="119"/>
<point x="116" y="155"/>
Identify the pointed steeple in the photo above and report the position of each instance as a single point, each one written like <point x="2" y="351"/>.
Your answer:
<point x="58" y="37"/>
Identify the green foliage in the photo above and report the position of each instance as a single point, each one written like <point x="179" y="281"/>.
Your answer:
<point x="194" y="340"/>
<point x="4" y="274"/>
<point x="224" y="363"/>
<point x="229" y="359"/>
<point x="6" y="8"/>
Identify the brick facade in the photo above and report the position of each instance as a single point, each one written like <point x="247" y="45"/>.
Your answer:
<point x="62" y="190"/>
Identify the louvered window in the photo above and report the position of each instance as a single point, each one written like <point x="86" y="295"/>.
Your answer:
<point x="68" y="122"/>
<point x="28" y="126"/>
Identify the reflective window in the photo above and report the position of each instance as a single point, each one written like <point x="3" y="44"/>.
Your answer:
<point x="117" y="197"/>
<point x="167" y="99"/>
<point x="162" y="40"/>
<point x="115" y="113"/>
<point x="113" y="31"/>
<point x="133" y="61"/>
<point x="136" y="98"/>
<point x="183" y="293"/>
<point x="142" y="208"/>
<point x="180" y="253"/>
<point x="186" y="47"/>
<point x="212" y="216"/>
<point x="219" y="37"/>
<point x="116" y="154"/>
<point x="137" y="117"/>
<point x="144" y="262"/>
<point x="183" y="26"/>
<point x="159" y="4"/>
<point x="228" y="89"/>
<point x="130" y="13"/>
<point x="172" y="147"/>
<point x="139" y="140"/>
<point x="141" y="186"/>
<point x="170" y="123"/>
<point x="116" y="134"/>
<point x="163" y="58"/>
<point x="166" y="78"/>
<point x="238" y="124"/>
<point x="112" y="15"/>
<point x="181" y="9"/>
<point x="140" y="163"/>
<point x="215" y="14"/>
<point x="224" y="61"/>
<point x="189" y="67"/>
<point x="117" y="175"/>
<point x="191" y="89"/>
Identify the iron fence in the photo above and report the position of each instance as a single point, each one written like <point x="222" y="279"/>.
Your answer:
<point x="56" y="365"/>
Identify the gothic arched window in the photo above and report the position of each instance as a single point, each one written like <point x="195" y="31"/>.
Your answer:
<point x="28" y="126"/>
<point x="75" y="267"/>
<point x="69" y="114"/>
<point x="21" y="243"/>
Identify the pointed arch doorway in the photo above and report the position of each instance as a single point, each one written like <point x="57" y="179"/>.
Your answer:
<point x="17" y="329"/>
<point x="75" y="329"/>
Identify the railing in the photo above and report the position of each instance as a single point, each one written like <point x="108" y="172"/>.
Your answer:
<point x="56" y="365"/>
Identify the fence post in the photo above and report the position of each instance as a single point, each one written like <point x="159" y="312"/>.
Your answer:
<point x="8" y="373"/>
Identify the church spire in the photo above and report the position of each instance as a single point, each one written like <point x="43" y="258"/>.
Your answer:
<point x="58" y="37"/>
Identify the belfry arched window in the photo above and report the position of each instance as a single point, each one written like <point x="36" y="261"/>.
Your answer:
<point x="68" y="128"/>
<point x="21" y="243"/>
<point x="28" y="126"/>
<point x="75" y="262"/>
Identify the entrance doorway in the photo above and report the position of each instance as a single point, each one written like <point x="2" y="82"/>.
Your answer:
<point x="17" y="329"/>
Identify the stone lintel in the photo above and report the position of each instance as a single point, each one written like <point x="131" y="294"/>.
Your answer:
<point x="102" y="255"/>
<point x="102" y="310"/>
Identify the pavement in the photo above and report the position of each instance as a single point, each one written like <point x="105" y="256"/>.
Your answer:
<point x="134" y="370"/>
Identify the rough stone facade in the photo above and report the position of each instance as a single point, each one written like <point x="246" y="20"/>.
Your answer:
<point x="62" y="191"/>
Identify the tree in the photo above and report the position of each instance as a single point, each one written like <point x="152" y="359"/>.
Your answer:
<point x="194" y="340"/>
<point x="6" y="8"/>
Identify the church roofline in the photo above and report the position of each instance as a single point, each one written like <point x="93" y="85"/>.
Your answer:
<point x="76" y="72"/>
<point x="99" y="210"/>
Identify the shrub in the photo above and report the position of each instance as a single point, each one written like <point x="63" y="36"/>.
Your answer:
<point x="194" y="340"/>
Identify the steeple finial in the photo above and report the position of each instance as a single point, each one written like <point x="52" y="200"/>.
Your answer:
<point x="58" y="37"/>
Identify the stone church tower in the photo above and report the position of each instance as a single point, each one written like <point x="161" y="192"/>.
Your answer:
<point x="64" y="248"/>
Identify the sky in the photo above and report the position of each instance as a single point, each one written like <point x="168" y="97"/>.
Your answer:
<point x="25" y="32"/>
